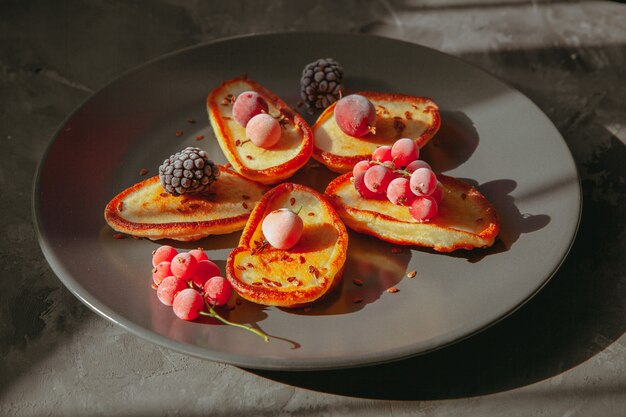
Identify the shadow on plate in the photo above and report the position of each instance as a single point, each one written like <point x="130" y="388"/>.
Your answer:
<point x="513" y="223"/>
<point x="371" y="267"/>
<point x="454" y="143"/>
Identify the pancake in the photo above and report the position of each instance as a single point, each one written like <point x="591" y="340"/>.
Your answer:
<point x="465" y="220"/>
<point x="304" y="273"/>
<point x="146" y="210"/>
<point x="397" y="116"/>
<point x="267" y="166"/>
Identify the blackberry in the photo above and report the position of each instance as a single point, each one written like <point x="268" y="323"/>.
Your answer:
<point x="321" y="83"/>
<point x="188" y="171"/>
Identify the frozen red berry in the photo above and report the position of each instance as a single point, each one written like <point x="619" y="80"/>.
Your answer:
<point x="160" y="272"/>
<point x="382" y="154"/>
<point x="404" y="151"/>
<point x="205" y="270"/>
<point x="360" y="167"/>
<point x="168" y="288"/>
<point x="199" y="254"/>
<point x="263" y="131"/>
<point x="187" y="304"/>
<point x="377" y="178"/>
<point x="355" y="115"/>
<point x="247" y="105"/>
<point x="361" y="188"/>
<point x="184" y="266"/>
<point x="282" y="228"/>
<point x="163" y="253"/>
<point x="217" y="291"/>
<point x="399" y="192"/>
<point x="423" y="208"/>
<point x="423" y="181"/>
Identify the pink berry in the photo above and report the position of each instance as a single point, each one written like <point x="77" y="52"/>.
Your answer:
<point x="247" y="105"/>
<point x="205" y="270"/>
<point x="360" y="167"/>
<point x="184" y="266"/>
<point x="438" y="193"/>
<point x="417" y="164"/>
<point x="377" y="178"/>
<point x="217" y="291"/>
<point x="187" y="304"/>
<point x="359" y="184"/>
<point x="160" y="272"/>
<point x="382" y="154"/>
<point x="423" y="208"/>
<point x="199" y="254"/>
<point x="404" y="151"/>
<point x="399" y="192"/>
<point x="282" y="228"/>
<point x="355" y="115"/>
<point x="168" y="288"/>
<point x="263" y="130"/>
<point x="163" y="253"/>
<point x="423" y="181"/>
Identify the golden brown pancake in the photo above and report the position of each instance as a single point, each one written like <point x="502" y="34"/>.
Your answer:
<point x="267" y="166"/>
<point x="397" y="116"/>
<point x="465" y="219"/>
<point x="146" y="210"/>
<point x="302" y="274"/>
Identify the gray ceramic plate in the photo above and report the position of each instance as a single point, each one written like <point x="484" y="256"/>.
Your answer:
<point x="491" y="135"/>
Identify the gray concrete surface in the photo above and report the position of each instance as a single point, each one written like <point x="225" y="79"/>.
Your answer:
<point x="564" y="353"/>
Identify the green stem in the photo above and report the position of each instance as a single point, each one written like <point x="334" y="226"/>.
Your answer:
<point x="215" y="315"/>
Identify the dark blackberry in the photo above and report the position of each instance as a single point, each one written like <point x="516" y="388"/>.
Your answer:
<point x="321" y="83"/>
<point x="188" y="171"/>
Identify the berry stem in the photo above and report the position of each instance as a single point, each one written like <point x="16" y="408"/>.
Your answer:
<point x="215" y="315"/>
<point x="402" y="172"/>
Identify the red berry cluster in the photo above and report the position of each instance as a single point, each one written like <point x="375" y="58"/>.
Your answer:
<point x="395" y="172"/>
<point x="185" y="280"/>
<point x="192" y="285"/>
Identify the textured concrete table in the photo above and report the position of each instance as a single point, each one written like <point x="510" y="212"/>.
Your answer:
<point x="564" y="353"/>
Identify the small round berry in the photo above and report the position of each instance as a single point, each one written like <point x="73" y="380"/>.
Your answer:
<point x="404" y="151"/>
<point x="360" y="167"/>
<point x="438" y="193"/>
<point x="423" y="181"/>
<point x="355" y="115"/>
<point x="423" y="208"/>
<point x="361" y="188"/>
<point x="161" y="271"/>
<point x="187" y="304"/>
<point x="382" y="154"/>
<point x="399" y="192"/>
<point x="217" y="291"/>
<point x="418" y="163"/>
<point x="205" y="270"/>
<point x="168" y="288"/>
<point x="282" y="228"/>
<point x="184" y="266"/>
<point x="163" y="253"/>
<point x="247" y="105"/>
<point x="377" y="178"/>
<point x="263" y="130"/>
<point x="199" y="254"/>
